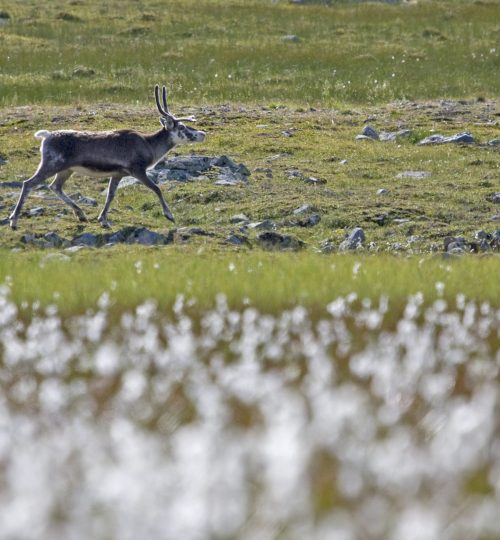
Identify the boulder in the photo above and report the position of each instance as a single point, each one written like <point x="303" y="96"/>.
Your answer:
<point x="354" y="240"/>
<point x="272" y="240"/>
<point x="464" y="138"/>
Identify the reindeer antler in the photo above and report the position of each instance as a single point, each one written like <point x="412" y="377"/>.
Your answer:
<point x="164" y="110"/>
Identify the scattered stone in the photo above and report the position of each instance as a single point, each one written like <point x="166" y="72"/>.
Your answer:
<point x="413" y="174"/>
<point x="393" y="136"/>
<point x="494" y="198"/>
<point x="264" y="170"/>
<point x="327" y="247"/>
<point x="314" y="181"/>
<point x="368" y="133"/>
<point x="382" y="191"/>
<point x="287" y="133"/>
<point x="355" y="240"/>
<point x="381" y="219"/>
<point x="226" y="182"/>
<point x="191" y="168"/>
<point x="55" y="240"/>
<point x="303" y="209"/>
<point x="294" y="173"/>
<point x="74" y="249"/>
<point x="494" y="142"/>
<point x="28" y="238"/>
<point x="137" y="235"/>
<point x="292" y="38"/>
<point x="239" y="218"/>
<point x="87" y="200"/>
<point x="496" y="217"/>
<point x="230" y="175"/>
<point x="343" y="162"/>
<point x="86" y="239"/>
<point x="2" y="161"/>
<point x="275" y="241"/>
<point x="266" y="225"/>
<point x="35" y="212"/>
<point x="465" y="138"/>
<point x="237" y="240"/>
<point x="146" y="237"/>
<point x="310" y="221"/>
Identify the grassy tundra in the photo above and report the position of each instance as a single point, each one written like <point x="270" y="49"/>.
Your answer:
<point x="206" y="390"/>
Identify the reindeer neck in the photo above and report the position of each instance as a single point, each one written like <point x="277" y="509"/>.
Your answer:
<point x="161" y="143"/>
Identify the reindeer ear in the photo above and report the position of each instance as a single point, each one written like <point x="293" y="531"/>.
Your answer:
<point x="167" y="122"/>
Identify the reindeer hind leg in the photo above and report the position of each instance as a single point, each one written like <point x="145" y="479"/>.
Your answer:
<point x="57" y="185"/>
<point x="43" y="172"/>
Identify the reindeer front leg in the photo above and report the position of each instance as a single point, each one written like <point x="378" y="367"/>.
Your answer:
<point x="143" y="178"/>
<point x="112" y="187"/>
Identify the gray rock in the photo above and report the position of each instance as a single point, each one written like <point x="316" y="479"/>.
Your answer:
<point x="495" y="198"/>
<point x="292" y="38"/>
<point x="275" y="241"/>
<point x="237" y="240"/>
<point x="87" y="200"/>
<point x="393" y="136"/>
<point x="145" y="237"/>
<point x="355" y="240"/>
<point x="381" y="219"/>
<point x="226" y="181"/>
<point x="310" y="221"/>
<point x="455" y="244"/>
<point x="138" y="235"/>
<point x="86" y="239"/>
<point x="54" y="239"/>
<point x="234" y="176"/>
<point x="368" y="133"/>
<point x="465" y="138"/>
<point x="314" y="181"/>
<point x="190" y="168"/>
<point x="28" y="238"/>
<point x="413" y="174"/>
<point x="496" y="217"/>
<point x="74" y="249"/>
<point x="38" y="211"/>
<point x="294" y="173"/>
<point x="303" y="209"/>
<point x="265" y="225"/>
<point x="174" y="174"/>
<point x="494" y="142"/>
<point x="264" y="170"/>
<point x="382" y="191"/>
<point x="239" y="218"/>
<point x="327" y="247"/>
<point x="126" y="181"/>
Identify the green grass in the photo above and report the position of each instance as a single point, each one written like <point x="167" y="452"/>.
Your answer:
<point x="268" y="282"/>
<point x="233" y="50"/>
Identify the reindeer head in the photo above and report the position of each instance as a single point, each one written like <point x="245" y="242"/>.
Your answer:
<point x="180" y="133"/>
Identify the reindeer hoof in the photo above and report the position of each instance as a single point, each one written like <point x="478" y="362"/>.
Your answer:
<point x="105" y="224"/>
<point x="13" y="224"/>
<point x="82" y="217"/>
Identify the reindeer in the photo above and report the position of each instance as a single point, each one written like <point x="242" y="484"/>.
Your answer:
<point x="116" y="154"/>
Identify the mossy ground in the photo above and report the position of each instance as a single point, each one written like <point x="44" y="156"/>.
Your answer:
<point x="455" y="199"/>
